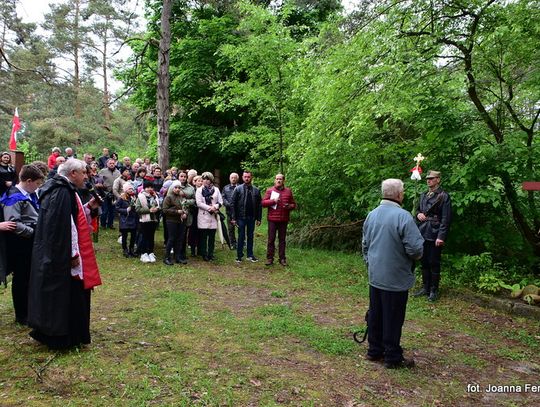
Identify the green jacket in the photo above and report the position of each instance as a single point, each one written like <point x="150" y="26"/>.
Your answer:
<point x="187" y="202"/>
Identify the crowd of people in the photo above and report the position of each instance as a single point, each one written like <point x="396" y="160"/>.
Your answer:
<point x="51" y="213"/>
<point x="56" y="209"/>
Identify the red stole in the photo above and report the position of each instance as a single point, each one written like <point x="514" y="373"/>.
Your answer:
<point x="91" y="277"/>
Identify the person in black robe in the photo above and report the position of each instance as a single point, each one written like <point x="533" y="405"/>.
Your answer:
<point x="59" y="302"/>
<point x="8" y="176"/>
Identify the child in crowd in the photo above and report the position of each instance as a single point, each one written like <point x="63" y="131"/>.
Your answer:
<point x="147" y="207"/>
<point x="125" y="206"/>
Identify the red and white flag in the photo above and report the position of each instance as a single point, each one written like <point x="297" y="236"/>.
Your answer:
<point x="14" y="129"/>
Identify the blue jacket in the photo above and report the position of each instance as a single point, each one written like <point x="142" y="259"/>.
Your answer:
<point x="391" y="241"/>
<point x="128" y="220"/>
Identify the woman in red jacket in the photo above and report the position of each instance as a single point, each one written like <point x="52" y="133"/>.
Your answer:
<point x="280" y="202"/>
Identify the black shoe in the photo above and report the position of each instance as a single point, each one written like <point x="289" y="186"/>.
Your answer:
<point x="378" y="358"/>
<point x="126" y="253"/>
<point x="433" y="296"/>
<point x="238" y="260"/>
<point x="423" y="291"/>
<point x="168" y="261"/>
<point x="132" y="254"/>
<point x="206" y="258"/>
<point x="403" y="364"/>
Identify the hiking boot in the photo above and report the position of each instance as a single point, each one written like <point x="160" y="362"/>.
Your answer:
<point x="422" y="292"/>
<point x="434" y="292"/>
<point x="283" y="262"/>
<point x="402" y="364"/>
<point x="377" y="358"/>
<point x="168" y="261"/>
<point x="269" y="262"/>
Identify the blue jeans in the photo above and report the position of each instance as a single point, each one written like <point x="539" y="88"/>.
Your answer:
<point x="107" y="214"/>
<point x="248" y="223"/>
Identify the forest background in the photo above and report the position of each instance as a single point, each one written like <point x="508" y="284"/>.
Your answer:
<point x="336" y="98"/>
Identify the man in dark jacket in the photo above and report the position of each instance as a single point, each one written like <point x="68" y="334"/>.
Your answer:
<point x="434" y="214"/>
<point x="227" y="194"/>
<point x="64" y="267"/>
<point x="280" y="202"/>
<point x="246" y="213"/>
<point x="102" y="161"/>
<point x="108" y="174"/>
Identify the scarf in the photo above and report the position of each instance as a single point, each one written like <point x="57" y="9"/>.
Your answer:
<point x="90" y="270"/>
<point x="207" y="193"/>
<point x="146" y="217"/>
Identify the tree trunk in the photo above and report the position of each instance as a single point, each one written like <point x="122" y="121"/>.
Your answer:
<point x="76" y="71"/>
<point x="162" y="103"/>
<point x="106" y="96"/>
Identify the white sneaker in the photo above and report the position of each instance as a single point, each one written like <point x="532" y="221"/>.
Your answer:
<point x="120" y="239"/>
<point x="145" y="258"/>
<point x="152" y="258"/>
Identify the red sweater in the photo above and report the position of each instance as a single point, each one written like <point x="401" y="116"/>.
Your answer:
<point x="285" y="204"/>
<point x="51" y="161"/>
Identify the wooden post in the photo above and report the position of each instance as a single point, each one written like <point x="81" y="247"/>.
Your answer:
<point x="17" y="160"/>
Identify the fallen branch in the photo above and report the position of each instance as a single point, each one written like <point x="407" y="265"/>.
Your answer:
<point x="41" y="368"/>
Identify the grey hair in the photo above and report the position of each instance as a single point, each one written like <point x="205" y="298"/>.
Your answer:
<point x="391" y="188"/>
<point x="71" y="165"/>
<point x="208" y="175"/>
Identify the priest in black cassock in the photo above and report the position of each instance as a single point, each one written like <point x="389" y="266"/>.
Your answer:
<point x="64" y="267"/>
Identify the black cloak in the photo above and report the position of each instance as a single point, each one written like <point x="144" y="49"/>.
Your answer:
<point x="58" y="305"/>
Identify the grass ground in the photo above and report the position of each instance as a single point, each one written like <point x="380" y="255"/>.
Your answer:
<point x="223" y="334"/>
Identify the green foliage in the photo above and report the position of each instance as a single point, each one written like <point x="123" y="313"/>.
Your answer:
<point x="345" y="104"/>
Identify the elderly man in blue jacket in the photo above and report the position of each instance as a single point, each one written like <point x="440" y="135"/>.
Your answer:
<point x="390" y="244"/>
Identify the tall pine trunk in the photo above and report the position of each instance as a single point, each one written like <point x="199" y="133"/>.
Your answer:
<point x="162" y="103"/>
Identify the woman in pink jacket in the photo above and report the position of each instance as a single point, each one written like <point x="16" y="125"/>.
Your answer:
<point x="209" y="201"/>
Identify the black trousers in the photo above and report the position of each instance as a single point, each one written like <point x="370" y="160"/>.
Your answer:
<point x="176" y="240"/>
<point x="19" y="261"/>
<point x="208" y="238"/>
<point x="132" y="234"/>
<point x="385" y="321"/>
<point x="148" y="231"/>
<point x="431" y="259"/>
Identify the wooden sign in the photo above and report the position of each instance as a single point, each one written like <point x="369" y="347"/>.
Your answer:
<point x="531" y="186"/>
